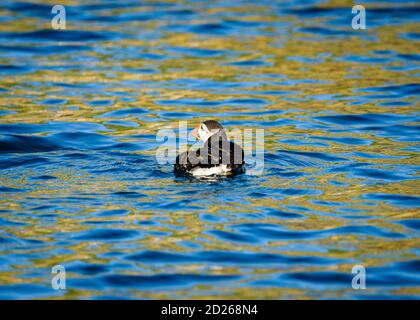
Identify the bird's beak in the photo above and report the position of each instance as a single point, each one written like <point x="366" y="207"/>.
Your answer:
<point x="195" y="133"/>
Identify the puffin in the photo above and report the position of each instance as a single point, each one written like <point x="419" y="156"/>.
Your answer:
<point x="217" y="157"/>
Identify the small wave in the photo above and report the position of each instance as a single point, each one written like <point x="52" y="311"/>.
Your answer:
<point x="226" y="257"/>
<point x="164" y="280"/>
<point x="56" y="35"/>
<point x="107" y="235"/>
<point x="26" y="144"/>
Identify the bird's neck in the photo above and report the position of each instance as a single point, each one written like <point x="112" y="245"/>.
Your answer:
<point x="216" y="135"/>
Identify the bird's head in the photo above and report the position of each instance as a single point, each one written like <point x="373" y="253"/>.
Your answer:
<point x="207" y="129"/>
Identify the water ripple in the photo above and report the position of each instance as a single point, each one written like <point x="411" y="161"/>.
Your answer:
<point x="80" y="184"/>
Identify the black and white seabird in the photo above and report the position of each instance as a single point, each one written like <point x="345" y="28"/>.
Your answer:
<point x="218" y="156"/>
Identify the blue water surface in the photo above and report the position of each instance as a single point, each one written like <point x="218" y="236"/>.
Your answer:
<point x="80" y="185"/>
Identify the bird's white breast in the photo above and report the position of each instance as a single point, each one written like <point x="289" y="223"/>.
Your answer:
<point x="218" y="170"/>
